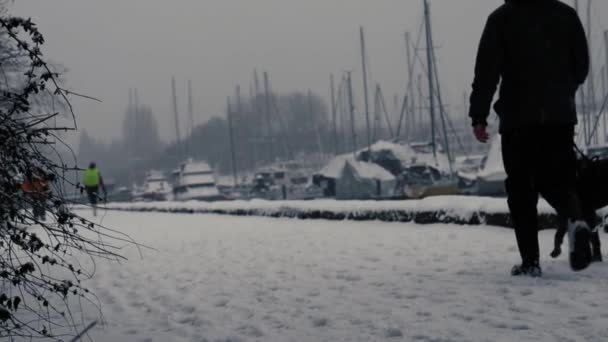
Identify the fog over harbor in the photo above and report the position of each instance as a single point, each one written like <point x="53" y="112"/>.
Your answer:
<point x="112" y="45"/>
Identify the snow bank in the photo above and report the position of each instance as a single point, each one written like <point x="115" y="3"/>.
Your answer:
<point x="441" y="209"/>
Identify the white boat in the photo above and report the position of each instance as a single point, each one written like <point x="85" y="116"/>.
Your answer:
<point x="196" y="181"/>
<point x="429" y="174"/>
<point x="156" y="187"/>
<point x="285" y="181"/>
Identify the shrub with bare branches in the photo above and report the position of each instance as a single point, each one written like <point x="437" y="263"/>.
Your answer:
<point x="42" y="257"/>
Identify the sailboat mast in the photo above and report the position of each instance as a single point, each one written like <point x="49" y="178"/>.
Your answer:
<point x="175" y="113"/>
<point x="231" y="136"/>
<point x="239" y="104"/>
<point x="351" y="110"/>
<point x="442" y="113"/>
<point x="377" y="124"/>
<point x="190" y="108"/>
<point x="334" y="113"/>
<point x="365" y="91"/>
<point x="136" y="123"/>
<point x="430" y="76"/>
<point x="591" y="80"/>
<point x="402" y="114"/>
<point x="256" y="82"/>
<point x="384" y="111"/>
<point x="420" y="104"/>
<point x="268" y="116"/>
<point x="605" y="88"/>
<point x="606" y="47"/>
<point x="410" y="126"/>
<point x="313" y="119"/>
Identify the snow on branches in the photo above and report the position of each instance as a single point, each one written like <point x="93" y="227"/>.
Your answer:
<point x="46" y="250"/>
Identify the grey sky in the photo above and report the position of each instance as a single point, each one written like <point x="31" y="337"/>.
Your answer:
<point x="111" y="45"/>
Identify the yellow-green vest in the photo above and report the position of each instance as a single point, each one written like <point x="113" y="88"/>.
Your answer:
<point x="91" y="177"/>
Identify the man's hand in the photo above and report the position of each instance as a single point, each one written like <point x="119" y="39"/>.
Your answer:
<point x="481" y="133"/>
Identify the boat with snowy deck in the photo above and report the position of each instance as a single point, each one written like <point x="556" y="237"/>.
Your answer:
<point x="196" y="181"/>
<point x="156" y="187"/>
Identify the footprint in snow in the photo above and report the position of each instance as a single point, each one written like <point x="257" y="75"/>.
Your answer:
<point x="396" y="295"/>
<point x="131" y="332"/>
<point x="221" y="303"/>
<point x="314" y="293"/>
<point x="320" y="322"/>
<point x="349" y="277"/>
<point x="464" y="317"/>
<point x="372" y="259"/>
<point x="229" y="339"/>
<point x="250" y="331"/>
<point x="527" y="292"/>
<point x="392" y="333"/>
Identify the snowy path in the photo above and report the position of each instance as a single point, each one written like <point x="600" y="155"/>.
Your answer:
<point x="220" y="278"/>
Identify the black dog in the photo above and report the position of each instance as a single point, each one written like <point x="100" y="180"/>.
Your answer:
<point x="592" y="183"/>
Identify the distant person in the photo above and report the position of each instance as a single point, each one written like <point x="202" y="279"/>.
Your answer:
<point x="93" y="182"/>
<point x="538" y="51"/>
<point x="38" y="190"/>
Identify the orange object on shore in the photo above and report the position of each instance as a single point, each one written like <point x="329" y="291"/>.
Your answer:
<point x="37" y="188"/>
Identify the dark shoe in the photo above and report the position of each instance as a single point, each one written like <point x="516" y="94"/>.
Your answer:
<point x="579" y="240"/>
<point x="532" y="270"/>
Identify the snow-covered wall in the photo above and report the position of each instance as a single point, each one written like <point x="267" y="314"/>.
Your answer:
<point x="442" y="209"/>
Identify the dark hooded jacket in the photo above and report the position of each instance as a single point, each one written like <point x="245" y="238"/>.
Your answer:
<point x="538" y="51"/>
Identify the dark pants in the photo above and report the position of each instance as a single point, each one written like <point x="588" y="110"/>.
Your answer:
<point x="539" y="160"/>
<point x="93" y="194"/>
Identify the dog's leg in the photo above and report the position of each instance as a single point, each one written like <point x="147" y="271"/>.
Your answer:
<point x="559" y="237"/>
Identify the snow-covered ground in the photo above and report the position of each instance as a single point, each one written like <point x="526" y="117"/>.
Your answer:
<point x="223" y="278"/>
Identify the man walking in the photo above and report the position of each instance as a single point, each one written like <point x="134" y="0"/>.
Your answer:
<point x="93" y="181"/>
<point x="538" y="51"/>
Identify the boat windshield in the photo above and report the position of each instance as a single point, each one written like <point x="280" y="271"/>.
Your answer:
<point x="421" y="175"/>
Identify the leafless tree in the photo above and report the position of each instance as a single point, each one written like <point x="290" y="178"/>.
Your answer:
<point x="42" y="261"/>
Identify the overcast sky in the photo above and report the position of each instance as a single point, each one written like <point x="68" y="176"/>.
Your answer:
<point x="109" y="46"/>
